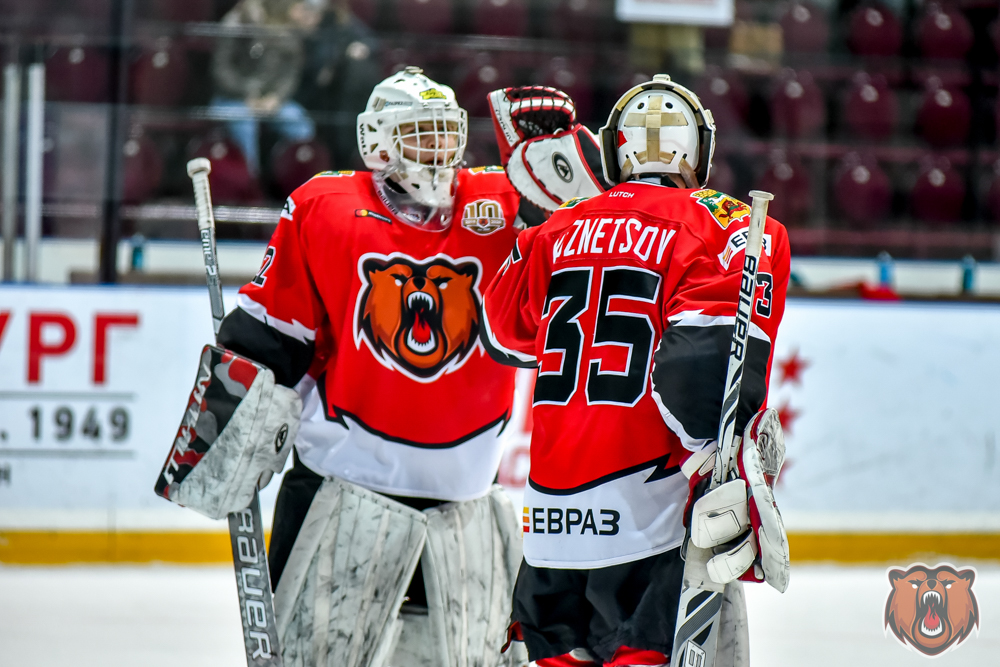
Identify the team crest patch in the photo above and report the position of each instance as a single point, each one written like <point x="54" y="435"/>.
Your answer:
<point x="492" y="169"/>
<point x="570" y="203"/>
<point x="420" y="317"/>
<point x="432" y="94"/>
<point x="483" y="216"/>
<point x="723" y="208"/>
<point x="931" y="609"/>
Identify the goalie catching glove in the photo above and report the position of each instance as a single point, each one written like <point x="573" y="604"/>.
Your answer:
<point x="236" y="432"/>
<point x="739" y="520"/>
<point x="550" y="158"/>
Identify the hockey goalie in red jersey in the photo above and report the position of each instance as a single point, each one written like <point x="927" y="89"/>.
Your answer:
<point x="626" y="302"/>
<point x="368" y="303"/>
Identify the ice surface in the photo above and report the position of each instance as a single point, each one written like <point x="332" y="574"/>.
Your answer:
<point x="158" y="615"/>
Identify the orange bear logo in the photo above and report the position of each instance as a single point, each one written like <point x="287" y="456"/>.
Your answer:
<point x="931" y="609"/>
<point x="420" y="317"/>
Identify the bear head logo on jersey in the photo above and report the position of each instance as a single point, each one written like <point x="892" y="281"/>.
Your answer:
<point x="419" y="317"/>
<point x="931" y="609"/>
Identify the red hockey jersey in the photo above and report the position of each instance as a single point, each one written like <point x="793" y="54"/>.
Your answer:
<point x="376" y="323"/>
<point x="626" y="304"/>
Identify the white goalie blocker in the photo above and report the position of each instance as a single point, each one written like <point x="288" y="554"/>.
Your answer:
<point x="236" y="433"/>
<point x="338" y="601"/>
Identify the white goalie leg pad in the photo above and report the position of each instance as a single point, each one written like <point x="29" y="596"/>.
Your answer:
<point x="721" y="515"/>
<point x="734" y="631"/>
<point x="470" y="562"/>
<point x="236" y="432"/>
<point x="339" y="595"/>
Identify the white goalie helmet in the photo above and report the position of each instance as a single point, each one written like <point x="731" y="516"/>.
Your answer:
<point x="414" y="133"/>
<point x="652" y="127"/>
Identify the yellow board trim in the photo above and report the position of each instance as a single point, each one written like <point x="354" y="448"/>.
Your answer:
<point x="64" y="547"/>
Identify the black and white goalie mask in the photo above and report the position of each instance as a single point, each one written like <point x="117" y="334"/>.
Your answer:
<point x="412" y="135"/>
<point x="652" y="128"/>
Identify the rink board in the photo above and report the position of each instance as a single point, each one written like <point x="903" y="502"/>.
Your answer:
<point x="889" y="412"/>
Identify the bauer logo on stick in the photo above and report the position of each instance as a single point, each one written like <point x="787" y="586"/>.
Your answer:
<point x="931" y="609"/>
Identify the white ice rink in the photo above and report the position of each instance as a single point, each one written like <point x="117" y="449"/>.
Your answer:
<point x="167" y="616"/>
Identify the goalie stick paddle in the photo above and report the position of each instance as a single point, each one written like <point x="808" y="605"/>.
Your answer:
<point x="696" y="634"/>
<point x="246" y="532"/>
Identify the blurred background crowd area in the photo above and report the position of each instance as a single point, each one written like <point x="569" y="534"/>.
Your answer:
<point x="873" y="123"/>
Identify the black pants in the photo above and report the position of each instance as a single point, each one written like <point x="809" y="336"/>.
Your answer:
<point x="298" y="488"/>
<point x="633" y="604"/>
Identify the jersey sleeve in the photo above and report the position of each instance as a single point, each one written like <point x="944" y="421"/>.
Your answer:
<point x="691" y="360"/>
<point x="512" y="304"/>
<point x="278" y="313"/>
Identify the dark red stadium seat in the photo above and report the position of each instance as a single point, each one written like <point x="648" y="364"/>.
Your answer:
<point x="143" y="168"/>
<point x="944" y="116"/>
<point x="482" y="75"/>
<point x="874" y="30"/>
<point x="232" y="182"/>
<point x="944" y="32"/>
<point x="724" y="93"/>
<point x="938" y="192"/>
<point x="805" y="28"/>
<point x="366" y="10"/>
<point x="571" y="76"/>
<point x="426" y="17"/>
<point x="797" y="106"/>
<point x="159" y="76"/>
<point x="500" y="18"/>
<point x="295" y="162"/>
<point x="180" y="11"/>
<point x="993" y="195"/>
<point x="579" y="20"/>
<point x="787" y="179"/>
<point x="394" y="60"/>
<point x="870" y="107"/>
<point x="862" y="190"/>
<point x="721" y="177"/>
<point x="77" y="74"/>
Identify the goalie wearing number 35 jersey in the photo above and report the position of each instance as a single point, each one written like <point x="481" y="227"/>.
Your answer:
<point x="626" y="302"/>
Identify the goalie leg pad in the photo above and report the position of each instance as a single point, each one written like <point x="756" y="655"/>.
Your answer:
<point x="734" y="631"/>
<point x="237" y="430"/>
<point x="338" y="598"/>
<point x="470" y="563"/>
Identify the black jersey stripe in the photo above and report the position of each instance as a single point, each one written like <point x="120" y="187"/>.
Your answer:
<point x="289" y="358"/>
<point x="689" y="377"/>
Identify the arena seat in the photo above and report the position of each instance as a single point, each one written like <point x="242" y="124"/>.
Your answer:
<point x="159" y="75"/>
<point x="798" y="109"/>
<point x="482" y="75"/>
<point x="366" y="10"/>
<point x="870" y="107"/>
<point x="724" y="93"/>
<point x="786" y="178"/>
<point x="482" y="147"/>
<point x="295" y="162"/>
<point x="862" y="190"/>
<point x="944" y="32"/>
<point x="805" y="28"/>
<point x="500" y="18"/>
<point x="572" y="77"/>
<point x="77" y="74"/>
<point x="142" y="167"/>
<point x="874" y="30"/>
<point x="232" y="182"/>
<point x="177" y="11"/>
<point x="944" y="116"/>
<point x="579" y="20"/>
<point x="938" y="192"/>
<point x="426" y="17"/>
<point x="722" y="177"/>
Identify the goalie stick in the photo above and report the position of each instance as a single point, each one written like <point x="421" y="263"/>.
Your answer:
<point x="246" y="532"/>
<point x="696" y="634"/>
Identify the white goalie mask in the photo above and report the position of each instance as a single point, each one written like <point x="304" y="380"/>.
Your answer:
<point x="652" y="127"/>
<point x="412" y="135"/>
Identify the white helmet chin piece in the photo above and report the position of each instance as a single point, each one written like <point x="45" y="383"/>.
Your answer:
<point x="414" y="132"/>
<point x="652" y="128"/>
